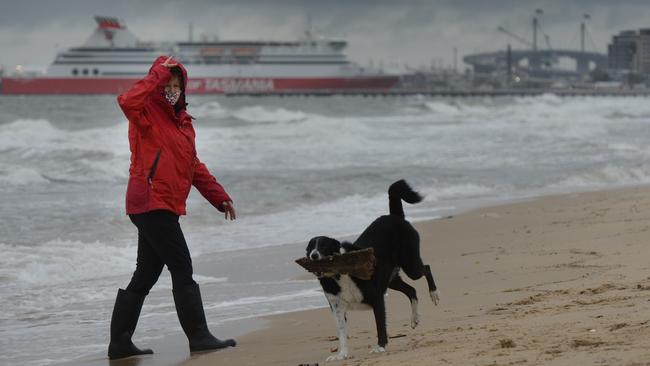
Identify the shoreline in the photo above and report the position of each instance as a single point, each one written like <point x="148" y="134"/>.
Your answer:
<point x="533" y="282"/>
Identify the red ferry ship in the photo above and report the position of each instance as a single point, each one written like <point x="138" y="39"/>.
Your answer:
<point x="113" y="58"/>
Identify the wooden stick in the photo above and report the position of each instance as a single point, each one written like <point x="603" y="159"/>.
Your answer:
<point x="358" y="263"/>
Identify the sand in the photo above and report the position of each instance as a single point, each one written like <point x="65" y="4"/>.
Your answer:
<point x="561" y="280"/>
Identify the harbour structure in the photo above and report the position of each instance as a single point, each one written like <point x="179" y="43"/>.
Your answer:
<point x="536" y="61"/>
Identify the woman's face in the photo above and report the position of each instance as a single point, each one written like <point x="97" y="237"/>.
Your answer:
<point x="173" y="85"/>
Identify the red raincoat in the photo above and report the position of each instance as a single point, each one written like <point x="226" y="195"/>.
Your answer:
<point x="164" y="164"/>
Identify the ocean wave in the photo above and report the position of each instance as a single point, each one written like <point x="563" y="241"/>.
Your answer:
<point x="35" y="151"/>
<point x="444" y="108"/>
<point x="210" y="109"/>
<point x="249" y="114"/>
<point x="266" y="299"/>
<point x="548" y="99"/>
<point x="40" y="135"/>
<point x="628" y="114"/>
<point x="208" y="279"/>
<point x="63" y="261"/>
<point x="456" y="108"/>
<point x="259" y="114"/>
<point x="547" y="109"/>
<point x="609" y="175"/>
<point x="457" y="191"/>
<point x="15" y="176"/>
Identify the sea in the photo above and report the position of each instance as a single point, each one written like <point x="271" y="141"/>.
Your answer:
<point x="296" y="167"/>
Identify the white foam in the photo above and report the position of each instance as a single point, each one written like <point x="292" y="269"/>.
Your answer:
<point x="609" y="175"/>
<point x="25" y="133"/>
<point x="455" y="108"/>
<point x="63" y="261"/>
<point x="209" y="279"/>
<point x="20" y="176"/>
<point x="35" y="148"/>
<point x="444" y="108"/>
<point x="464" y="191"/>
<point x="288" y="296"/>
<point x="33" y="136"/>
<point x="212" y="109"/>
<point x="332" y="142"/>
<point x="261" y="114"/>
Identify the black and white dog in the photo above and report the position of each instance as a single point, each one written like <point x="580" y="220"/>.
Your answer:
<point x="396" y="246"/>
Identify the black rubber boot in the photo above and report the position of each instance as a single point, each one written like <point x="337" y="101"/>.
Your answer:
<point x="189" y="308"/>
<point x="125" y="317"/>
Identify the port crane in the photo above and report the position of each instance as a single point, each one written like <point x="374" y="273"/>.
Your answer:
<point x="516" y="37"/>
<point x="546" y="61"/>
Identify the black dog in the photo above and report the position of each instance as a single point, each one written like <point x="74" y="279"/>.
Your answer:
<point x="396" y="246"/>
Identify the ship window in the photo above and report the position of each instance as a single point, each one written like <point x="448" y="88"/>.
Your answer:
<point x="75" y="72"/>
<point x="85" y="71"/>
<point x="95" y="72"/>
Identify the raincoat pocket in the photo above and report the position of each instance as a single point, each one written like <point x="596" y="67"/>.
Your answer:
<point x="138" y="195"/>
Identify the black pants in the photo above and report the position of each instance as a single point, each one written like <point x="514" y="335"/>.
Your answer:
<point x="160" y="242"/>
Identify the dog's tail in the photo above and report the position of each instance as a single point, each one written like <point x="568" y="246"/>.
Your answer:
<point x="399" y="191"/>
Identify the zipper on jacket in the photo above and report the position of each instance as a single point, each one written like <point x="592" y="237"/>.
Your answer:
<point x="152" y="171"/>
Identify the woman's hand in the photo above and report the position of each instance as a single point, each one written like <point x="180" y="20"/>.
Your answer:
<point x="229" y="209"/>
<point x="169" y="62"/>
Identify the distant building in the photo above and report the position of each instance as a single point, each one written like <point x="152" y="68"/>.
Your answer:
<point x="630" y="51"/>
<point x="642" y="57"/>
<point x="621" y="52"/>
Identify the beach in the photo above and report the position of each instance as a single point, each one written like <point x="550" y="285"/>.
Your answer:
<point x="532" y="162"/>
<point x="559" y="280"/>
<point x="298" y="168"/>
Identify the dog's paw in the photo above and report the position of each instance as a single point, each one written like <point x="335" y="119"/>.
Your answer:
<point x="435" y="297"/>
<point x="415" y="320"/>
<point x="415" y="315"/>
<point x="378" y="349"/>
<point x="340" y="357"/>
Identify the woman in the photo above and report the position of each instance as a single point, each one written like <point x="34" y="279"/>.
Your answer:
<point x="163" y="167"/>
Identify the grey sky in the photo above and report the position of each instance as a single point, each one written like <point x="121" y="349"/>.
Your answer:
<point x="408" y="31"/>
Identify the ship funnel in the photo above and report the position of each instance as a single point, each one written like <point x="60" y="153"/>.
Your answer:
<point x="111" y="32"/>
<point x="109" y="23"/>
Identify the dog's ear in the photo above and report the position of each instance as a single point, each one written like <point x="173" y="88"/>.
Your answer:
<point x="311" y="245"/>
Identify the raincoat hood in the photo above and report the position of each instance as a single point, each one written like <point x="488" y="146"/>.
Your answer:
<point x="161" y="59"/>
<point x="181" y="104"/>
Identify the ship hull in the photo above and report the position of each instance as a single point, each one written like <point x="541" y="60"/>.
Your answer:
<point x="206" y="85"/>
